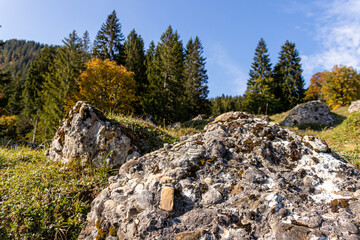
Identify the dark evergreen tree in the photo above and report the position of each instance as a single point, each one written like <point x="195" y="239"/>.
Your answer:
<point x="195" y="78"/>
<point x="60" y="87"/>
<point x="152" y="74"/>
<point x="288" y="78"/>
<point x="259" y="94"/>
<point x="31" y="96"/>
<point x="86" y="43"/>
<point x="135" y="62"/>
<point x="217" y="106"/>
<point x="5" y="87"/>
<point x="14" y="105"/>
<point x="108" y="41"/>
<point x="166" y="78"/>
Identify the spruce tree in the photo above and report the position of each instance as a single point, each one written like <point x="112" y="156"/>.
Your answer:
<point x="288" y="78"/>
<point x="60" y="87"/>
<point x="259" y="94"/>
<point x="217" y="106"/>
<point x="195" y="78"/>
<point x="14" y="105"/>
<point x="108" y="41"/>
<point x="152" y="74"/>
<point x="166" y="79"/>
<point x="31" y="96"/>
<point x="86" y="43"/>
<point x="5" y="87"/>
<point x="135" y="62"/>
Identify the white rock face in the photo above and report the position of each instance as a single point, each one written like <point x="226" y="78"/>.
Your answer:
<point x="86" y="135"/>
<point x="354" y="106"/>
<point x="243" y="178"/>
<point x="310" y="112"/>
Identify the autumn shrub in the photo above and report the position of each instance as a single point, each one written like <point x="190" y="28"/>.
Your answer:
<point x="8" y="127"/>
<point x="108" y="86"/>
<point x="341" y="86"/>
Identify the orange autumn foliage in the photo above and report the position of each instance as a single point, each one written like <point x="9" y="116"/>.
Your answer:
<point x="314" y="91"/>
<point x="341" y="86"/>
<point x="107" y="86"/>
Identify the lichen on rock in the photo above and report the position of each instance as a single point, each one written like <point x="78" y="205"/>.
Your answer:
<point x="310" y="112"/>
<point x="86" y="135"/>
<point x="242" y="178"/>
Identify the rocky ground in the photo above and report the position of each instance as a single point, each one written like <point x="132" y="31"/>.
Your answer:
<point x="242" y="178"/>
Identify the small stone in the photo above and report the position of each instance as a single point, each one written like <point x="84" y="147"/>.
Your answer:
<point x="212" y="197"/>
<point x="316" y="144"/>
<point x="109" y="205"/>
<point x="237" y="189"/>
<point x="350" y="227"/>
<point x="208" y="181"/>
<point x="283" y="212"/>
<point x="145" y="199"/>
<point x="167" y="199"/>
<point x="189" y="235"/>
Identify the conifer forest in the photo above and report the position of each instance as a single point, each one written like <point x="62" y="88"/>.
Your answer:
<point x="166" y="81"/>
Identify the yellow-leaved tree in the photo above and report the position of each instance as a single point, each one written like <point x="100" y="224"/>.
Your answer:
<point x="314" y="92"/>
<point x="341" y="86"/>
<point x="107" y="86"/>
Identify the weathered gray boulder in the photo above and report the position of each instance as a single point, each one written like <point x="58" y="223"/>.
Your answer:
<point x="310" y="112"/>
<point x="87" y="136"/>
<point x="354" y="106"/>
<point x="242" y="178"/>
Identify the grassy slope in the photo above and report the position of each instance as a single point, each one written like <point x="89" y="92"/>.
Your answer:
<point x="343" y="137"/>
<point x="45" y="200"/>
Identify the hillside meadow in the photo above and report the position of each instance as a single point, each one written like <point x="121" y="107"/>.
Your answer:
<point x="45" y="200"/>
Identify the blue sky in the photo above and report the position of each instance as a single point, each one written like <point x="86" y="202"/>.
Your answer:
<point x="325" y="32"/>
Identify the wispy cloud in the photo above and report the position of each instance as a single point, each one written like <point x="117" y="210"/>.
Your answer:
<point x="233" y="78"/>
<point x="338" y="31"/>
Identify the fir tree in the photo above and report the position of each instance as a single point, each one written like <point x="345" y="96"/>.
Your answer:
<point x="135" y="62"/>
<point x="108" y="41"/>
<point x="195" y="78"/>
<point x="288" y="78"/>
<point x="259" y="94"/>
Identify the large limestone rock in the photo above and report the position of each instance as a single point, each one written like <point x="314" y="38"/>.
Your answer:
<point x="310" y="112"/>
<point x="86" y="135"/>
<point x="242" y="178"/>
<point x="354" y="106"/>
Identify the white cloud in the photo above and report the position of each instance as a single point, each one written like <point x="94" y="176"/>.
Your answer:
<point x="233" y="79"/>
<point x="338" y="31"/>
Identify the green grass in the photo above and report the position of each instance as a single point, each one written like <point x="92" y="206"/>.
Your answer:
<point x="44" y="200"/>
<point x="148" y="136"/>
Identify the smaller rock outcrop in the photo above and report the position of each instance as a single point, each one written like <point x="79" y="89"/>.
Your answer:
<point x="86" y="135"/>
<point x="310" y="112"/>
<point x="354" y="106"/>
